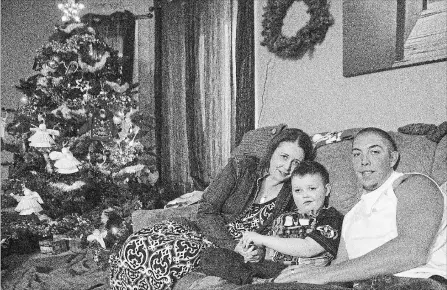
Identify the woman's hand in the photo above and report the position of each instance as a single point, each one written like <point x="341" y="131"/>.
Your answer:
<point x="252" y="238"/>
<point x="301" y="273"/>
<point x="250" y="253"/>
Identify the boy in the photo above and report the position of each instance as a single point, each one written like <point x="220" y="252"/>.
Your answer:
<point x="308" y="235"/>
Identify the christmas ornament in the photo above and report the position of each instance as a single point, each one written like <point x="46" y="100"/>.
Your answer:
<point x="71" y="68"/>
<point x="65" y="163"/>
<point x="24" y="100"/>
<point x="63" y="110"/>
<point x="3" y="124"/>
<point x="98" y="236"/>
<point x="117" y="120"/>
<point x="42" y="137"/>
<point x="29" y="203"/>
<point x="102" y="127"/>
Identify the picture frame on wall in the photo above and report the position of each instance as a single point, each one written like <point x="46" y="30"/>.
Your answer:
<point x="392" y="34"/>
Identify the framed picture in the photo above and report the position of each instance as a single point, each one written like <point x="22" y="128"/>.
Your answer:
<point x="391" y="34"/>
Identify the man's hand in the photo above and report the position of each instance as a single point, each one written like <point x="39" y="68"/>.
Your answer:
<point x="301" y="273"/>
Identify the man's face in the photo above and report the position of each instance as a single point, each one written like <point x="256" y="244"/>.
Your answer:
<point x="373" y="160"/>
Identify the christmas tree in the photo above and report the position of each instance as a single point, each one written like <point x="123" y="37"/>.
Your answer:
<point x="79" y="166"/>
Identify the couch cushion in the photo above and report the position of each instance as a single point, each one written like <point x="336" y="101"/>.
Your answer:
<point x="416" y="153"/>
<point x="255" y="142"/>
<point x="145" y="218"/>
<point x="336" y="157"/>
<point x="439" y="168"/>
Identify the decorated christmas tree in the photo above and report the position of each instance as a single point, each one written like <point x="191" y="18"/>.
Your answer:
<point x="79" y="166"/>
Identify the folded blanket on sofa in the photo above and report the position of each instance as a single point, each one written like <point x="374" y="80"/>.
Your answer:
<point x="431" y="131"/>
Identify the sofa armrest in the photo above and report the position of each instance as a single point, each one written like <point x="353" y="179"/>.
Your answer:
<point x="145" y="218"/>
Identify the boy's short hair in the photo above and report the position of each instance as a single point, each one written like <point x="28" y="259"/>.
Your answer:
<point x="312" y="168"/>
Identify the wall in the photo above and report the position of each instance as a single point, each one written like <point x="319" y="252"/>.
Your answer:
<point x="25" y="26"/>
<point x="312" y="94"/>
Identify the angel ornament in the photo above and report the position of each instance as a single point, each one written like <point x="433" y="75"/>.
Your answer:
<point x="28" y="203"/>
<point x="42" y="138"/>
<point x="98" y="236"/>
<point x="65" y="163"/>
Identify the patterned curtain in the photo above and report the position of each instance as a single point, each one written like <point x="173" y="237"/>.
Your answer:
<point x="196" y="93"/>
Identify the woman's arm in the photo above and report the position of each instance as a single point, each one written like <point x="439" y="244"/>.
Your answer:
<point x="306" y="247"/>
<point x="209" y="215"/>
<point x="419" y="213"/>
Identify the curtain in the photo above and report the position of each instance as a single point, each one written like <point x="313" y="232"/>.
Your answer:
<point x="196" y="93"/>
<point x="245" y="70"/>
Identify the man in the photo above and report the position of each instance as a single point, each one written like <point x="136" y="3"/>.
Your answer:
<point x="395" y="236"/>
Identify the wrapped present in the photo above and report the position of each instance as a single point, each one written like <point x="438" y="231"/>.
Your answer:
<point x="51" y="246"/>
<point x="59" y="246"/>
<point x="75" y="245"/>
<point x="46" y="246"/>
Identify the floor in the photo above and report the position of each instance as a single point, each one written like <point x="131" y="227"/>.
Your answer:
<point x="65" y="271"/>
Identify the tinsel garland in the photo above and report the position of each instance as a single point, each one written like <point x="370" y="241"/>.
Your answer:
<point x="306" y="38"/>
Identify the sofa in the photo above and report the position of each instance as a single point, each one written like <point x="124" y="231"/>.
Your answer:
<point x="420" y="151"/>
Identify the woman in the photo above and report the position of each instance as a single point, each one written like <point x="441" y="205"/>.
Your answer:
<point x="247" y="195"/>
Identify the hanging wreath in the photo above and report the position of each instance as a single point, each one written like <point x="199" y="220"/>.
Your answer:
<point x="295" y="47"/>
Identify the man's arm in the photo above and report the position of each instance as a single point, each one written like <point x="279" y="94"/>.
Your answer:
<point x="419" y="213"/>
<point x="342" y="254"/>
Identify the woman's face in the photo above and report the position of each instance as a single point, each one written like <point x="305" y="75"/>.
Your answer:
<point x="284" y="159"/>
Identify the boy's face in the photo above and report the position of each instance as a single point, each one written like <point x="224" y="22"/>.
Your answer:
<point x="309" y="192"/>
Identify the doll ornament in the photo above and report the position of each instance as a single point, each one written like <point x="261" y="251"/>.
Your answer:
<point x="65" y="163"/>
<point x="28" y="203"/>
<point x="42" y="137"/>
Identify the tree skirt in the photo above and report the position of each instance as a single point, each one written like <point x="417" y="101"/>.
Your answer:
<point x="53" y="272"/>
